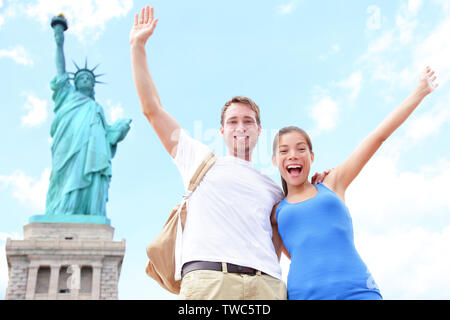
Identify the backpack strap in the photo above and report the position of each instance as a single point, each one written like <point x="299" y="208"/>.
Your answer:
<point x="198" y="175"/>
<point x="206" y="164"/>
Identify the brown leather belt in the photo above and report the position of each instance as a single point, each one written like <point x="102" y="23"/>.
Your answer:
<point x="216" y="266"/>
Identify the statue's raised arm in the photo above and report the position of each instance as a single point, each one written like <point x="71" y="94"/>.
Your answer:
<point x="59" y="25"/>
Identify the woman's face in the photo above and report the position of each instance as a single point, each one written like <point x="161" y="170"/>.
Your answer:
<point x="293" y="158"/>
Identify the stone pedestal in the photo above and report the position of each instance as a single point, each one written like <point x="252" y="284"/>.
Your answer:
<point x="64" y="261"/>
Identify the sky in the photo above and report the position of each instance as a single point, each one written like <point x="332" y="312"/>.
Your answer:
<point x="333" y="68"/>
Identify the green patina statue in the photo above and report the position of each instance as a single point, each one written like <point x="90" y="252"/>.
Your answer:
<point x="82" y="147"/>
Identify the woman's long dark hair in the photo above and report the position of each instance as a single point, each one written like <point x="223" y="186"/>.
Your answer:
<point x="276" y="140"/>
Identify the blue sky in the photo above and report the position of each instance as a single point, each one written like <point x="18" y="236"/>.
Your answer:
<point x="334" y="68"/>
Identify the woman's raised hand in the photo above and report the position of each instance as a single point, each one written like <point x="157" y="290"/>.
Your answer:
<point x="427" y="81"/>
<point x="143" y="27"/>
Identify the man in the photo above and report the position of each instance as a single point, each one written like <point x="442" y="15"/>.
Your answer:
<point x="227" y="250"/>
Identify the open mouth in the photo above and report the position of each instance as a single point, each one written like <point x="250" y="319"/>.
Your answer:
<point x="294" y="170"/>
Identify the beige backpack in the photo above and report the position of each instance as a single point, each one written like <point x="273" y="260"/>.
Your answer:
<point x="161" y="251"/>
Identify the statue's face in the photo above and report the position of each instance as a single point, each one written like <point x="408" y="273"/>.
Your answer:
<point x="84" y="80"/>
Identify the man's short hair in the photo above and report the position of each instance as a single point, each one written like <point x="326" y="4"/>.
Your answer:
<point x="244" y="100"/>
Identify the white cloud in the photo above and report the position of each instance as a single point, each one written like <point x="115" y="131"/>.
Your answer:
<point x="414" y="6"/>
<point x="434" y="50"/>
<point x="382" y="192"/>
<point x="402" y="225"/>
<point x="415" y="51"/>
<point x="406" y="29"/>
<point x="37" y="111"/>
<point x="405" y="197"/>
<point x="28" y="189"/>
<point x="2" y="21"/>
<point x="408" y="264"/>
<point x="376" y="65"/>
<point x="18" y="54"/>
<point x="85" y="17"/>
<point x="406" y="44"/>
<point x="325" y="110"/>
<point x="325" y="113"/>
<point x="377" y="46"/>
<point x="333" y="50"/>
<point x="407" y="21"/>
<point x="287" y="8"/>
<point x="374" y="20"/>
<point x="445" y="5"/>
<point x="353" y="84"/>
<point x="428" y="123"/>
<point x="114" y="111"/>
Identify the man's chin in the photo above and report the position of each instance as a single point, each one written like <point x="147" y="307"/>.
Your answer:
<point x="241" y="153"/>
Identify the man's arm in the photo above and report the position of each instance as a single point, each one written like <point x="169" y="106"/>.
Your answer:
<point x="166" y="127"/>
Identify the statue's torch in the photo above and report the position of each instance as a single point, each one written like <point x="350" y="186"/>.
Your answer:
<point x="59" y="20"/>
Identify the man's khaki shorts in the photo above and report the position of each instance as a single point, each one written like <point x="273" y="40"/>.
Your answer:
<point x="221" y="285"/>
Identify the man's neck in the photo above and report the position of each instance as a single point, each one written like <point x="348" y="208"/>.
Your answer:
<point x="244" y="156"/>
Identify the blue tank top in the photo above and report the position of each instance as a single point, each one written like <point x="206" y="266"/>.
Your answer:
<point x="318" y="234"/>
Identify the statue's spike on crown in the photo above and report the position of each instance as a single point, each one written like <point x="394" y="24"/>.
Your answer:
<point x="86" y="69"/>
<point x="76" y="66"/>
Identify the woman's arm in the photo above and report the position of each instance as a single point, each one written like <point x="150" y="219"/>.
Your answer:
<point x="276" y="238"/>
<point x="340" y="178"/>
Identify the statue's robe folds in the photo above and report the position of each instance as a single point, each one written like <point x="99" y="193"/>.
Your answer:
<point x="81" y="153"/>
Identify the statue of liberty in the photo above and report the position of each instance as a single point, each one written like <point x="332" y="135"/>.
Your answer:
<point x="82" y="147"/>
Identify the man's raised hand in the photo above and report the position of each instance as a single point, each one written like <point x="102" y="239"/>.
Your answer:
<point x="319" y="177"/>
<point x="143" y="27"/>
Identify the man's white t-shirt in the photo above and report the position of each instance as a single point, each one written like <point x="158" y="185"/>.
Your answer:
<point x="228" y="215"/>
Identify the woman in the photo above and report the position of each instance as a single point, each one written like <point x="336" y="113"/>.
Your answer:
<point x="313" y="220"/>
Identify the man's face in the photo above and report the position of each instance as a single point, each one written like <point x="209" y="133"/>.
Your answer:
<point x="240" y="130"/>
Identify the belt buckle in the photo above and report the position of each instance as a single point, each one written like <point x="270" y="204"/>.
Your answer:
<point x="246" y="270"/>
<point x="240" y="269"/>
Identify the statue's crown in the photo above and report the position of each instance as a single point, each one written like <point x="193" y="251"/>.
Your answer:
<point x="86" y="69"/>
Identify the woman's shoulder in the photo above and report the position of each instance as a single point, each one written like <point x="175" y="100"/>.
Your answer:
<point x="278" y="207"/>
